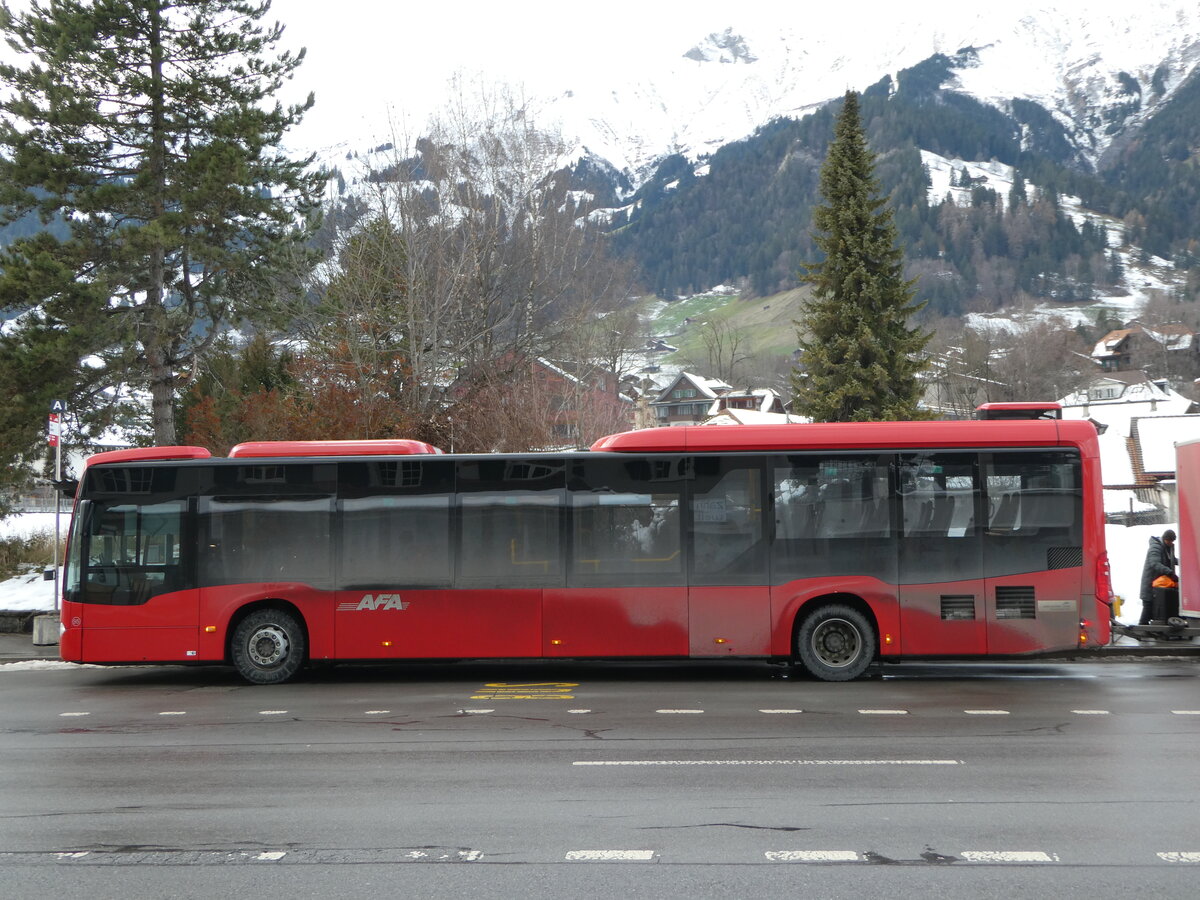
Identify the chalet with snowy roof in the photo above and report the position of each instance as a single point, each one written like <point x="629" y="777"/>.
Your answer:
<point x="687" y="399"/>
<point x="763" y="400"/>
<point x="1115" y="351"/>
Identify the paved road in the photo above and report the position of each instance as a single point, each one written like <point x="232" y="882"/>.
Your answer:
<point x="608" y="780"/>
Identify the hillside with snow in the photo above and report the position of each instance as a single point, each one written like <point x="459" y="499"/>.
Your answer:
<point x="1076" y="61"/>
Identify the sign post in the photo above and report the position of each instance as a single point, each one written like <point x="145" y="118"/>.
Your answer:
<point x="54" y="435"/>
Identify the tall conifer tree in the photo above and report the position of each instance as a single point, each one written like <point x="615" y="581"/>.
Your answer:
<point x="859" y="357"/>
<point x="150" y="127"/>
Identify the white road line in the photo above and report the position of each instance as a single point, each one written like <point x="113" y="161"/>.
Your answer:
<point x="1180" y="856"/>
<point x="475" y="712"/>
<point x="812" y="856"/>
<point x="272" y="712"/>
<point x="1090" y="712"/>
<point x="67" y="715"/>
<point x="1185" y="712"/>
<point x="272" y="855"/>
<point x="780" y="712"/>
<point x="172" y="712"/>
<point x="377" y="712"/>
<point x="604" y="855"/>
<point x="768" y="762"/>
<point x="1008" y="856"/>
<point x="986" y="712"/>
<point x="578" y="712"/>
<point x="883" y="712"/>
<point x="680" y="711"/>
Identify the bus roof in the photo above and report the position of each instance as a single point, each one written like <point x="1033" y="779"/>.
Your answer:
<point x="144" y="454"/>
<point x="855" y="435"/>
<point x="394" y="447"/>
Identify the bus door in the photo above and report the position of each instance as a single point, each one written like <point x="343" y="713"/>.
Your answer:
<point x="135" y="587"/>
<point x="510" y="555"/>
<point x="395" y="561"/>
<point x="729" y="597"/>
<point x="626" y="590"/>
<point x="1033" y="549"/>
<point x="941" y="587"/>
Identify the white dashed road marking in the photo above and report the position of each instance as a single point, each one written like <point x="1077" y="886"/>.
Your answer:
<point x="883" y="712"/>
<point x="768" y="762"/>
<point x="812" y="856"/>
<point x="679" y="711"/>
<point x="986" y="712"/>
<point x="780" y="712"/>
<point x="67" y="715"/>
<point x="1180" y="856"/>
<point x="1008" y="856"/>
<point x="1090" y="712"/>
<point x="1185" y="712"/>
<point x="172" y="712"/>
<point x="607" y="855"/>
<point x="272" y="712"/>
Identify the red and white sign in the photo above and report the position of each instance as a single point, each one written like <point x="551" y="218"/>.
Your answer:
<point x="54" y="429"/>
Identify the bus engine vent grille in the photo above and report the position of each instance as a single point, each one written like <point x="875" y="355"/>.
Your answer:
<point x="958" y="606"/>
<point x="1015" y="602"/>
<point x="1064" y="557"/>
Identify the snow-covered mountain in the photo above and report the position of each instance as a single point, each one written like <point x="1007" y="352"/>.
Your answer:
<point x="1097" y="68"/>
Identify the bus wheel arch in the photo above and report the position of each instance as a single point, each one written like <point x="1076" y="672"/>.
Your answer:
<point x="268" y="642"/>
<point x="835" y="637"/>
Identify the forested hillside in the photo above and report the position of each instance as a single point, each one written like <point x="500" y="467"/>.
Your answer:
<point x="748" y="216"/>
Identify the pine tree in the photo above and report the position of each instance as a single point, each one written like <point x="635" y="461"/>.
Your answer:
<point x="150" y="126"/>
<point x="859" y="358"/>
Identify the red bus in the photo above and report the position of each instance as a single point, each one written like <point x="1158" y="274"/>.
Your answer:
<point x="830" y="545"/>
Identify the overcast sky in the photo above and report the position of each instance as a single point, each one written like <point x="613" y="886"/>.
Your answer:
<point x="368" y="59"/>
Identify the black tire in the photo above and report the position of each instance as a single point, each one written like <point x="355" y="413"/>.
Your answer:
<point x="835" y="643"/>
<point x="268" y="646"/>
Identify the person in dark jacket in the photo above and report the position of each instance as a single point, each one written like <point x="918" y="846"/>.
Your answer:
<point x="1160" y="560"/>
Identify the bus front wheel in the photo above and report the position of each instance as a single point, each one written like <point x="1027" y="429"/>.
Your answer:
<point x="835" y="643"/>
<point x="268" y="646"/>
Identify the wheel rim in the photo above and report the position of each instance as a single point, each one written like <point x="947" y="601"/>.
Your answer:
<point x="268" y="646"/>
<point x="836" y="643"/>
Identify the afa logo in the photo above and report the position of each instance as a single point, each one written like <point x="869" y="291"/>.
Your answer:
<point x="373" y="602"/>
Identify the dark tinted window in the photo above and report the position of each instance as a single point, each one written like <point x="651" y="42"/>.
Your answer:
<point x="1034" y="511"/>
<point x="509" y="511"/>
<point x="625" y="521"/>
<point x="939" y="496"/>
<point x="131" y="544"/>
<point x="832" y="517"/>
<point x="267" y="522"/>
<point x="395" y="523"/>
<point x="727" y="508"/>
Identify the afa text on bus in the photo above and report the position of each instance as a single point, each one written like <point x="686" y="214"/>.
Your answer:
<point x="830" y="545"/>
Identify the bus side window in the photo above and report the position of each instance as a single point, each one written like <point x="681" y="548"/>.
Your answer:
<point x="832" y="516"/>
<point x="625" y="522"/>
<point x="726" y="500"/>
<point x="1035" y="511"/>
<point x="509" y="515"/>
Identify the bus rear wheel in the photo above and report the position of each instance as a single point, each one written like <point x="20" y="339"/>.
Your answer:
<point x="835" y="643"/>
<point x="268" y="646"/>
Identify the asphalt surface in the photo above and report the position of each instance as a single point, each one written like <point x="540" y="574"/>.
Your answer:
<point x="1068" y="779"/>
